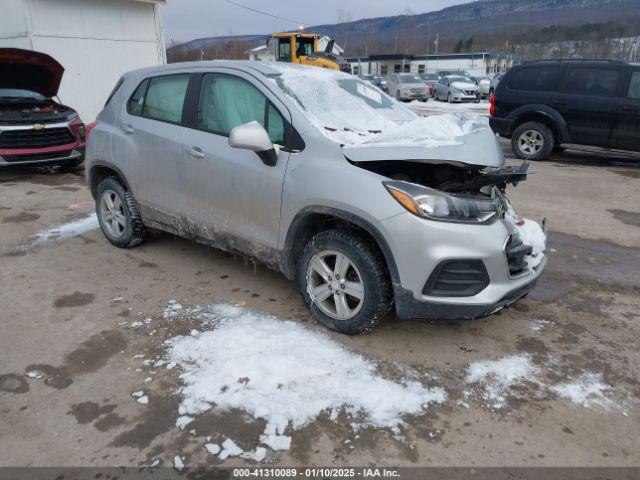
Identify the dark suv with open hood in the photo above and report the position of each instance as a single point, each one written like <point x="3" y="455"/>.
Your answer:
<point x="34" y="128"/>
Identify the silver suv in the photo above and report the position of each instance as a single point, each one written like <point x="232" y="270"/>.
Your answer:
<point x="321" y="176"/>
<point x="407" y="87"/>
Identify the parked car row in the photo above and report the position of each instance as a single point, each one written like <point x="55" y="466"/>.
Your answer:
<point x="439" y="85"/>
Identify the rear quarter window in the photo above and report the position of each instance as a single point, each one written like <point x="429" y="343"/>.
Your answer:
<point x="535" y="79"/>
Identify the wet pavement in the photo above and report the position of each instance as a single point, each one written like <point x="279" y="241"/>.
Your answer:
<point x="75" y="339"/>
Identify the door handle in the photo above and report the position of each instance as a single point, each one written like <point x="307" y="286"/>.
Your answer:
<point x="126" y="128"/>
<point x="630" y="108"/>
<point x="195" y="152"/>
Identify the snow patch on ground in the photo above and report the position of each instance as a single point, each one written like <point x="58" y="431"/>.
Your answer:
<point x="212" y="448"/>
<point x="588" y="390"/>
<point x="62" y="232"/>
<point x="286" y="374"/>
<point x="229" y="449"/>
<point x="495" y="377"/>
<point x="538" y="325"/>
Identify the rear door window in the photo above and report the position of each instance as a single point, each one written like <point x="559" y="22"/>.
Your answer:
<point x="535" y="79"/>
<point x="164" y="100"/>
<point x="634" y="86"/>
<point x="601" y="82"/>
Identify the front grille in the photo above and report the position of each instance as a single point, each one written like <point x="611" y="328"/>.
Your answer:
<point x="457" y="278"/>
<point x="516" y="251"/>
<point x="417" y="90"/>
<point x="48" y="137"/>
<point x="469" y="92"/>
<point x="36" y="157"/>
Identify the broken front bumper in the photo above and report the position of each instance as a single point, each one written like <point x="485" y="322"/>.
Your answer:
<point x="421" y="248"/>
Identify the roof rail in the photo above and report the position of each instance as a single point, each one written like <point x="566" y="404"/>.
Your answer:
<point x="576" y="60"/>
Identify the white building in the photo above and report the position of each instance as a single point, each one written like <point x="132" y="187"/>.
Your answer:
<point x="477" y="64"/>
<point x="94" y="40"/>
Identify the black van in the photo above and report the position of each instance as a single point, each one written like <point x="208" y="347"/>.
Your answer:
<point x="541" y="105"/>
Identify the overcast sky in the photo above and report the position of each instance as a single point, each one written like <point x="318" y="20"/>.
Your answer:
<point x="188" y="19"/>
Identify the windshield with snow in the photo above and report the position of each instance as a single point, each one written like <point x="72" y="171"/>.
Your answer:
<point x="342" y="106"/>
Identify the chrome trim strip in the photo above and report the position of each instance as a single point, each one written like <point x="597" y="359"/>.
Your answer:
<point x="47" y="126"/>
<point x="75" y="154"/>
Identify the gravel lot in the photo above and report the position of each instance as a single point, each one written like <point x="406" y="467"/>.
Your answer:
<point x="74" y="311"/>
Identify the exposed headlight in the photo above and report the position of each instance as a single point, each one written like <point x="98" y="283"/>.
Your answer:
<point x="436" y="205"/>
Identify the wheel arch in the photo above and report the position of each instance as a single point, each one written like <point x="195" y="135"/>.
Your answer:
<point x="102" y="170"/>
<point x="313" y="219"/>
<point x="542" y="114"/>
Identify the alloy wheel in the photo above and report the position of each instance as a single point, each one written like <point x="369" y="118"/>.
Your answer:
<point x="112" y="214"/>
<point x="530" y="142"/>
<point x="335" y="285"/>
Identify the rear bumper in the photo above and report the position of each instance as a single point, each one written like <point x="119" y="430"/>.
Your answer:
<point x="501" y="126"/>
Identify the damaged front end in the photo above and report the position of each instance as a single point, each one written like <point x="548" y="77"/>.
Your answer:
<point x="463" y="193"/>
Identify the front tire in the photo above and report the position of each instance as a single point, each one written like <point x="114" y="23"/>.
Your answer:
<point x="118" y="214"/>
<point x="449" y="97"/>
<point x="532" y="141"/>
<point x="343" y="281"/>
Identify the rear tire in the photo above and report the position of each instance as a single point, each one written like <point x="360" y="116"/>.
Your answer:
<point x="118" y="214"/>
<point x="329" y="297"/>
<point x="532" y="141"/>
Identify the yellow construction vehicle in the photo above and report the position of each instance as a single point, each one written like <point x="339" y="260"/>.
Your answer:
<point x="302" y="48"/>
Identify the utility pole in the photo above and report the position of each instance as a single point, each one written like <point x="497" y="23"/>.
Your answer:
<point x="436" y="43"/>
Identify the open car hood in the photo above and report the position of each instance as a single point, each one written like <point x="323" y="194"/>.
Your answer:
<point x="29" y="70"/>
<point x="477" y="148"/>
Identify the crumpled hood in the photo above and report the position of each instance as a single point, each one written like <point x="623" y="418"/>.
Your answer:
<point x="464" y="86"/>
<point x="29" y="70"/>
<point x="457" y="139"/>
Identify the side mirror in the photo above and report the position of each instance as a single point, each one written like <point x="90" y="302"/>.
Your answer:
<point x="252" y="136"/>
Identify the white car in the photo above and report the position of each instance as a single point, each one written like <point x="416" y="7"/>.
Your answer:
<point x="484" y="85"/>
<point x="456" y="88"/>
<point x="407" y="86"/>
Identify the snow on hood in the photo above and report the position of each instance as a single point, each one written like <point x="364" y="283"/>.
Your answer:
<point x="460" y="138"/>
<point x="29" y="70"/>
<point x="464" y="85"/>
<point x="370" y="125"/>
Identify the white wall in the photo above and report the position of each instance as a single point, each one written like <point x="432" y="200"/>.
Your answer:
<point x="95" y="40"/>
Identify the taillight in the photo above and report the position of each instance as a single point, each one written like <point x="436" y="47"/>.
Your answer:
<point x="88" y="129"/>
<point x="492" y="104"/>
